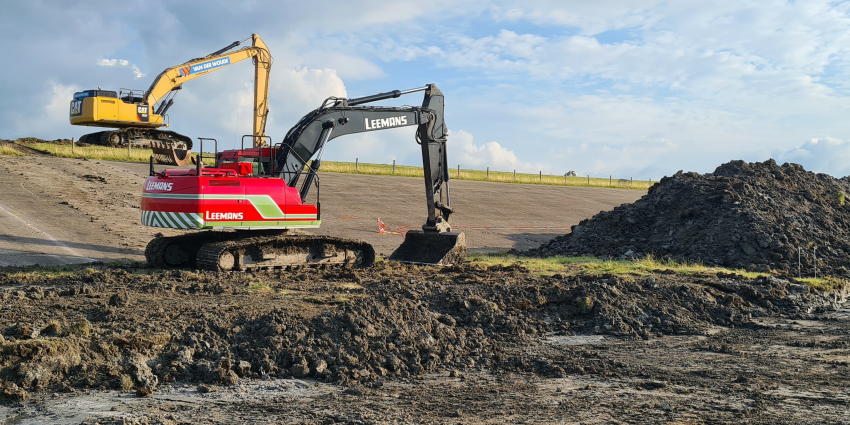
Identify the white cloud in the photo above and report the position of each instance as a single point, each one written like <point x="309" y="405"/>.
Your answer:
<point x="122" y="63"/>
<point x="52" y="120"/>
<point x="820" y="154"/>
<point x="462" y="149"/>
<point x="113" y="62"/>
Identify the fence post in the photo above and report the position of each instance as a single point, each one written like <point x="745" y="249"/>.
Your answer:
<point x="458" y="171"/>
<point x="588" y="179"/>
<point x="514" y="174"/>
<point x="815" y="257"/>
<point x="541" y="175"/>
<point x="393" y="166"/>
<point x="650" y="181"/>
<point x="72" y="146"/>
<point x="488" y="173"/>
<point x="565" y="178"/>
<point x="631" y="181"/>
<point x="356" y="163"/>
<point x="610" y="180"/>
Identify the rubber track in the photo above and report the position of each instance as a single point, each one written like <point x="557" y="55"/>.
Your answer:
<point x="139" y="136"/>
<point x="155" y="250"/>
<point x="156" y="247"/>
<point x="210" y="253"/>
<point x="208" y="239"/>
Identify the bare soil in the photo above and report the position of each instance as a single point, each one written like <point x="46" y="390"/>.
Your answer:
<point x="92" y="208"/>
<point x="393" y="343"/>
<point x="401" y="344"/>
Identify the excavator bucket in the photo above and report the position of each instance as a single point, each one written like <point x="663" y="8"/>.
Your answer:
<point x="438" y="248"/>
<point x="165" y="153"/>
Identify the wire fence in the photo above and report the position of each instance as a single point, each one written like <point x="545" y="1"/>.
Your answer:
<point x="459" y="173"/>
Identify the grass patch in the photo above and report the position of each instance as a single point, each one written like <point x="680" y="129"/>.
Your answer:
<point x="327" y="299"/>
<point x="23" y="272"/>
<point x="143" y="155"/>
<point x="104" y="153"/>
<point x="589" y="266"/>
<point x="80" y="328"/>
<point x="6" y="149"/>
<point x="260" y="287"/>
<point x="825" y="284"/>
<point x="482" y="175"/>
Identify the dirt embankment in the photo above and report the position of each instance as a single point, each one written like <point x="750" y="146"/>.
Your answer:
<point x="743" y="215"/>
<point x="118" y="329"/>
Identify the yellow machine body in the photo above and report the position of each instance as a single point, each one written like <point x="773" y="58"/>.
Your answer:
<point x="105" y="109"/>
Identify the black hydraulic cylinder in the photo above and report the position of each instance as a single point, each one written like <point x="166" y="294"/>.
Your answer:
<point x="373" y="98"/>
<point x="164" y="107"/>
<point x="308" y="182"/>
<point x="232" y="45"/>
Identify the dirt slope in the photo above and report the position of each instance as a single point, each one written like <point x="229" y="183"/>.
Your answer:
<point x="93" y="208"/>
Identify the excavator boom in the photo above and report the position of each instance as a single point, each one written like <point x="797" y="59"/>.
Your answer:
<point x="435" y="244"/>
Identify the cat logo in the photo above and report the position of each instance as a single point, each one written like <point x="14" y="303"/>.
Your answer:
<point x="76" y="107"/>
<point x="142" y="113"/>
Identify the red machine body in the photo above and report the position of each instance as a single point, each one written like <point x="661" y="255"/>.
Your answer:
<point x="234" y="195"/>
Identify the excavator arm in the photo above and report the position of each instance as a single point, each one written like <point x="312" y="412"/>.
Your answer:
<point x="160" y="94"/>
<point x="309" y="137"/>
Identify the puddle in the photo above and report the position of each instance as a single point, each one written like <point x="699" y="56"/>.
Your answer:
<point x="575" y="339"/>
<point x="69" y="409"/>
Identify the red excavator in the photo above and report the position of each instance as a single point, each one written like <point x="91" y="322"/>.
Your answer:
<point x="246" y="205"/>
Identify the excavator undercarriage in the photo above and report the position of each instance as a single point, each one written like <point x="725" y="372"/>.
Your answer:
<point x="169" y="147"/>
<point x="241" y="250"/>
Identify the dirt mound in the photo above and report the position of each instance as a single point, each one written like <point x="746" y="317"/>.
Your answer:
<point x="743" y="215"/>
<point x="126" y="329"/>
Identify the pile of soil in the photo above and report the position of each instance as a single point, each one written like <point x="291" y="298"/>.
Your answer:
<point x="743" y="215"/>
<point x="126" y="329"/>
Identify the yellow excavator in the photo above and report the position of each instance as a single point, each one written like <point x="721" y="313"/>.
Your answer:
<point x="137" y="115"/>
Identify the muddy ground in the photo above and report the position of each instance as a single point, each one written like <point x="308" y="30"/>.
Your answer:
<point x="409" y="344"/>
<point x="393" y="343"/>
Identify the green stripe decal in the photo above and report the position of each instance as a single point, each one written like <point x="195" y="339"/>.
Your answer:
<point x="266" y="206"/>
<point x="286" y="223"/>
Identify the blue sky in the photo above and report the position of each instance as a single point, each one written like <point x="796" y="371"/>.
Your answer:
<point x="625" y="88"/>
